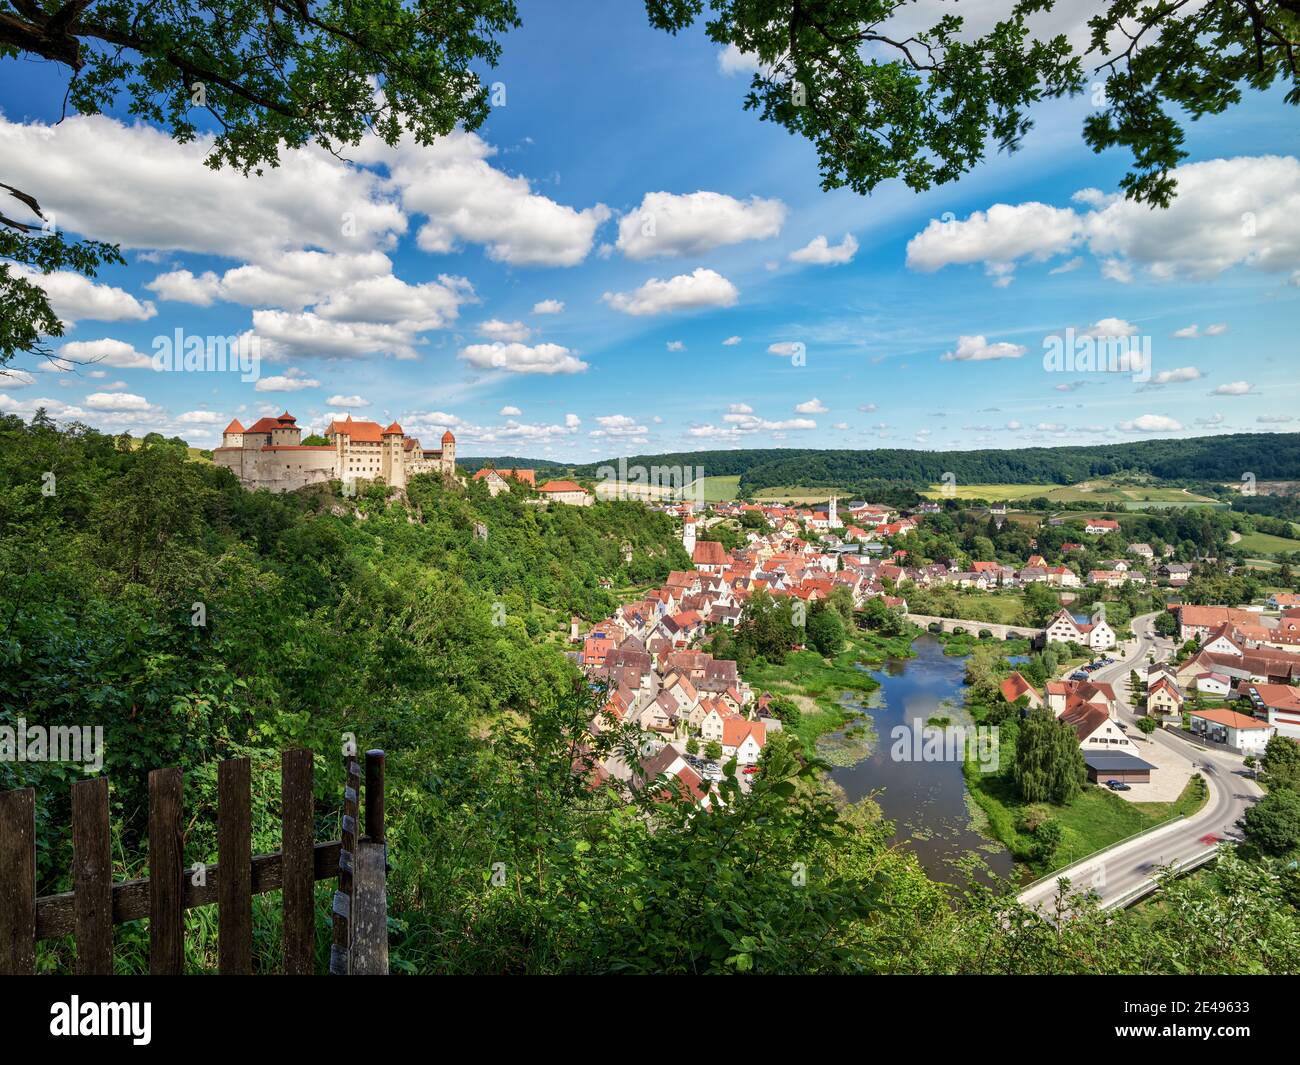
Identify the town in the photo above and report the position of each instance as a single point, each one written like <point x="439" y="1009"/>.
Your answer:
<point x="1226" y="675"/>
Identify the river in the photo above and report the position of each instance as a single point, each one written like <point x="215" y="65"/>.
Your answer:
<point x="925" y="797"/>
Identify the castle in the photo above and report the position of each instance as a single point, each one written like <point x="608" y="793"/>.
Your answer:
<point x="269" y="454"/>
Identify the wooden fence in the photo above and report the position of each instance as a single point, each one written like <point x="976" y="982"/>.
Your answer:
<point x="96" y="903"/>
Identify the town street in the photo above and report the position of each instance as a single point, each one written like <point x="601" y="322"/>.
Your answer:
<point x="1117" y="873"/>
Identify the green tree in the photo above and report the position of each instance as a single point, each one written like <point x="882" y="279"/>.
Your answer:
<point x="1040" y="603"/>
<point x="1281" y="763"/>
<point x="1147" y="725"/>
<point x="713" y="750"/>
<point x="1273" y="823"/>
<point x="1049" y="765"/>
<point x="825" y="630"/>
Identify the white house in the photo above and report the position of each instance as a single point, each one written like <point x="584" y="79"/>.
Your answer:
<point x="743" y="739"/>
<point x="1241" y="732"/>
<point x="1213" y="684"/>
<point x="1063" y="628"/>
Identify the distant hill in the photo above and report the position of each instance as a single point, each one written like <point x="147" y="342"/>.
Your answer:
<point x="503" y="462"/>
<point x="1269" y="456"/>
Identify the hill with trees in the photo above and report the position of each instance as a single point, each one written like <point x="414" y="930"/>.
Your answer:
<point x="1204" y="458"/>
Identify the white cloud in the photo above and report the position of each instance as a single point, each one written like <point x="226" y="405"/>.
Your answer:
<point x="701" y="288"/>
<point x="1274" y="419"/>
<point x="820" y="251"/>
<point x="618" y="425"/>
<point x="135" y="186"/>
<point x="667" y="225"/>
<point x="347" y="401"/>
<point x="465" y="199"/>
<point x="522" y="358"/>
<point x="785" y="348"/>
<point x="1000" y="235"/>
<point x="1150" y="423"/>
<point x="731" y="60"/>
<point x="548" y="307"/>
<point x="740" y="408"/>
<point x="1175" y="376"/>
<point x="509" y="331"/>
<point x="15" y="379"/>
<point x="182" y="286"/>
<point x="1191" y="332"/>
<point x="676" y="345"/>
<point x="292" y="380"/>
<point x="812" y="406"/>
<point x="310" y="334"/>
<point x="731" y="342"/>
<point x="1234" y="388"/>
<point x="116" y="401"/>
<point x="201" y="417"/>
<point x="509" y="412"/>
<point x="74" y="297"/>
<point x="1240" y="212"/>
<point x="978" y="349"/>
<point x="1109" y="328"/>
<point x="106" y="352"/>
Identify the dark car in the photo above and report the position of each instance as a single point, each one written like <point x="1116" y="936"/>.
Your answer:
<point x="1118" y="785"/>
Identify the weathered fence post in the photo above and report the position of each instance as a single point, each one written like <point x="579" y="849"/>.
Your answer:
<point x="166" y="874"/>
<point x="234" y="868"/>
<point x="297" y="799"/>
<point x="92" y="877"/>
<point x="17" y="882"/>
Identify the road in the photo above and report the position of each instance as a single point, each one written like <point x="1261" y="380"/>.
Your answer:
<point x="1117" y="874"/>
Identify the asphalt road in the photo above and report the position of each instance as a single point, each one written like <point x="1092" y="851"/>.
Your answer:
<point x="1119" y="871"/>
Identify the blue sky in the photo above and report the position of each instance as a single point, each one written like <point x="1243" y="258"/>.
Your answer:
<point x="922" y="318"/>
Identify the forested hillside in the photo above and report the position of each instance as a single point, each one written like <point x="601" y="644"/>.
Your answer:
<point x="1214" y="458"/>
<point x="323" y="616"/>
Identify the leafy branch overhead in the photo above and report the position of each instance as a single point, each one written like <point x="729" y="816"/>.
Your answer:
<point x="926" y="106"/>
<point x="270" y="73"/>
<point x="265" y="75"/>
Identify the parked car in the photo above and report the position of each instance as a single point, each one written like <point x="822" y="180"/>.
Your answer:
<point x="1118" y="785"/>
<point x="1078" y="674"/>
<point x="712" y="771"/>
<point x="750" y="769"/>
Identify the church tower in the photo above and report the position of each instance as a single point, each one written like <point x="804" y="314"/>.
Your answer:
<point x="688" y="534"/>
<point x="832" y="520"/>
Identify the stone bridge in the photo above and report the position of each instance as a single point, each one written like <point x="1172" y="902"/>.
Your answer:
<point x="974" y="628"/>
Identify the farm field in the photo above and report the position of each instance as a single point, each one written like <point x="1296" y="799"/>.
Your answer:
<point x="1267" y="544"/>
<point x="718" y="489"/>
<point x="1100" y="491"/>
<point x="782" y="494"/>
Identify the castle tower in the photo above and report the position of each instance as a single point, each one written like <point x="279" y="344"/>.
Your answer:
<point x="286" y="431"/>
<point x="233" y="434"/>
<point x="449" y="453"/>
<point x="688" y="534"/>
<point x="392" y="464"/>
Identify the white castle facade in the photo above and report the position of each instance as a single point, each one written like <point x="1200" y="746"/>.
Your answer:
<point x="270" y="454"/>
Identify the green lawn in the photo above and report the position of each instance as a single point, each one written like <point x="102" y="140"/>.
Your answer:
<point x="1096" y="819"/>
